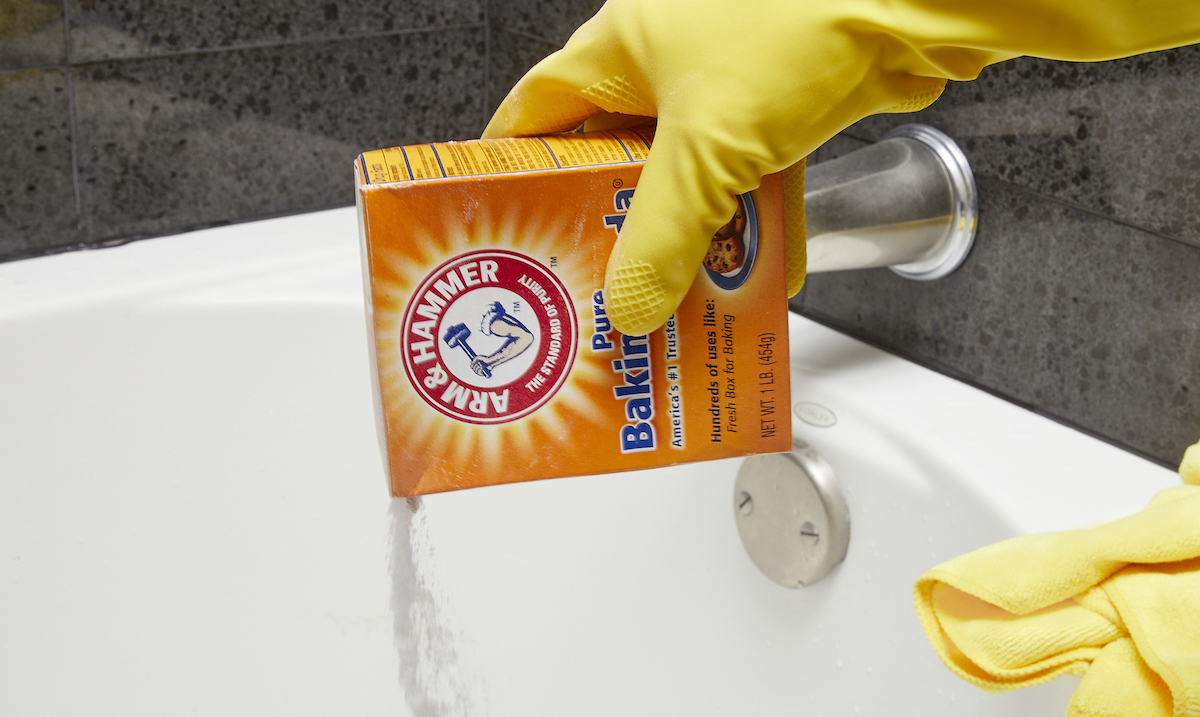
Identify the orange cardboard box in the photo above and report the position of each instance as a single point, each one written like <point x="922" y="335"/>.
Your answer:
<point x="494" y="359"/>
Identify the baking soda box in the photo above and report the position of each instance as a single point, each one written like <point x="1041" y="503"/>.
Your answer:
<point x="494" y="358"/>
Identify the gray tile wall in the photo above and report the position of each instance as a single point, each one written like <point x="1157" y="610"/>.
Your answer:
<point x="1080" y="299"/>
<point x="122" y="119"/>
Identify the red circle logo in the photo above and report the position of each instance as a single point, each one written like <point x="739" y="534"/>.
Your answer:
<point x="489" y="337"/>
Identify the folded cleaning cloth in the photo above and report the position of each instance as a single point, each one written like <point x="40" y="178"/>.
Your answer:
<point x="1119" y="604"/>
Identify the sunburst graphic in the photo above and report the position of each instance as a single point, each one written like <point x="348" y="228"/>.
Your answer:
<point x="427" y="450"/>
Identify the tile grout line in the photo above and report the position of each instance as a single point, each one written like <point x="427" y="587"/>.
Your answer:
<point x="1089" y="212"/>
<point x="33" y="68"/>
<point x="81" y="224"/>
<point x="284" y="43"/>
<point x="70" y="62"/>
<point x="1061" y="202"/>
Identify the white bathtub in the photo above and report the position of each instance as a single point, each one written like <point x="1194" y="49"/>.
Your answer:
<point x="194" y="519"/>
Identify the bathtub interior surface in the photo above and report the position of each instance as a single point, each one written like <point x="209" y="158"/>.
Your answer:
<point x="194" y="519"/>
<point x="192" y="509"/>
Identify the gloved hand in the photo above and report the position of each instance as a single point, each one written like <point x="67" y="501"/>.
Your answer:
<point x="745" y="89"/>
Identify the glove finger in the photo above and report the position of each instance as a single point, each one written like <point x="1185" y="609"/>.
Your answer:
<point x="545" y="101"/>
<point x="683" y="197"/>
<point x="592" y="74"/>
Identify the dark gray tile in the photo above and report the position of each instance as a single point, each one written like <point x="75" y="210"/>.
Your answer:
<point x="186" y="141"/>
<point x="1120" y="138"/>
<point x="111" y="29"/>
<point x="510" y="57"/>
<point x="31" y="33"/>
<point x="550" y="20"/>
<point x="37" y="195"/>
<point x="1088" y="321"/>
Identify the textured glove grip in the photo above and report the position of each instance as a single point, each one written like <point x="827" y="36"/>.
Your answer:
<point x="794" y="228"/>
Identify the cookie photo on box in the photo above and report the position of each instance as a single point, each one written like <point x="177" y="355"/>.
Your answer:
<point x="734" y="247"/>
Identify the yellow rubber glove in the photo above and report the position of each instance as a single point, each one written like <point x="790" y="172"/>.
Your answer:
<point x="749" y="88"/>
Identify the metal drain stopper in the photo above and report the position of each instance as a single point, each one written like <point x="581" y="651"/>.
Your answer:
<point x="791" y="515"/>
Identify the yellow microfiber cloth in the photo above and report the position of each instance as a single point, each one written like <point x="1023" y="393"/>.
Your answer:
<point x="1119" y="604"/>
